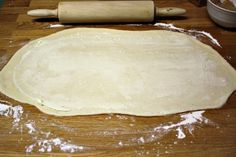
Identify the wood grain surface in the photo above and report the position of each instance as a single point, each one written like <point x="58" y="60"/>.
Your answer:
<point x="113" y="135"/>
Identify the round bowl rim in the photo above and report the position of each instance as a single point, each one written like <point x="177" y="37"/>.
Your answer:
<point x="227" y="10"/>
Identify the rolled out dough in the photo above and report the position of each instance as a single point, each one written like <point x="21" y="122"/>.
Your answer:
<point x="87" y="71"/>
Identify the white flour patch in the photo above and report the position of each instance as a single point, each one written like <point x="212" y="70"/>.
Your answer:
<point x="202" y="33"/>
<point x="187" y="121"/>
<point x="181" y="128"/>
<point x="47" y="141"/>
<point x="120" y="143"/>
<point x="185" y="125"/>
<point x="31" y="127"/>
<point x="169" y="26"/>
<point x="213" y="40"/>
<point x="57" y="26"/>
<point x="14" y="112"/>
<point x="47" y="145"/>
<point x="42" y="140"/>
<point x="180" y="134"/>
<point x="141" y="140"/>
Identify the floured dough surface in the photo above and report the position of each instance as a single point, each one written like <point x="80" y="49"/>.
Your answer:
<point x="85" y="71"/>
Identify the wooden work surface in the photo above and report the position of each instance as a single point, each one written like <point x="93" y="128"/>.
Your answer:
<point x="112" y="135"/>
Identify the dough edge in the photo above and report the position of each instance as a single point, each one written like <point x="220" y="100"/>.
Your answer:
<point x="55" y="112"/>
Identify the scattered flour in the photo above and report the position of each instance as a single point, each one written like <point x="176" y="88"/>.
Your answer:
<point x="47" y="145"/>
<point x="169" y="26"/>
<point x="213" y="40"/>
<point x="141" y="140"/>
<point x="57" y="26"/>
<point x="120" y="143"/>
<point x="31" y="127"/>
<point x="162" y="25"/>
<point x="44" y="144"/>
<point x="46" y="141"/>
<point x="202" y="33"/>
<point x="180" y="134"/>
<point x="187" y="121"/>
<point x="14" y="112"/>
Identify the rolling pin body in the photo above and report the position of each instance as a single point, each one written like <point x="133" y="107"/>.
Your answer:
<point x="106" y="11"/>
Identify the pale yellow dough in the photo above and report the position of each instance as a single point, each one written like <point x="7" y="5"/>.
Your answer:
<point x="85" y="71"/>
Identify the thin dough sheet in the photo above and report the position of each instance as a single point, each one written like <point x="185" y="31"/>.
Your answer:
<point x="86" y="71"/>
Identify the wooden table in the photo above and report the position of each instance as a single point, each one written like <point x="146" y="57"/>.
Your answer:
<point x="111" y="135"/>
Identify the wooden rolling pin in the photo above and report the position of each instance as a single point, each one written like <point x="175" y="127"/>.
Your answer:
<point x="107" y="11"/>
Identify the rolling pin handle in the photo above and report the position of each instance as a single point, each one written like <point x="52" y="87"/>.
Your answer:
<point x="42" y="12"/>
<point x="170" y="11"/>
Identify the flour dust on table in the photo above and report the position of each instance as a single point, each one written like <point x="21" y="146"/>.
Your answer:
<point x="42" y="135"/>
<point x="192" y="32"/>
